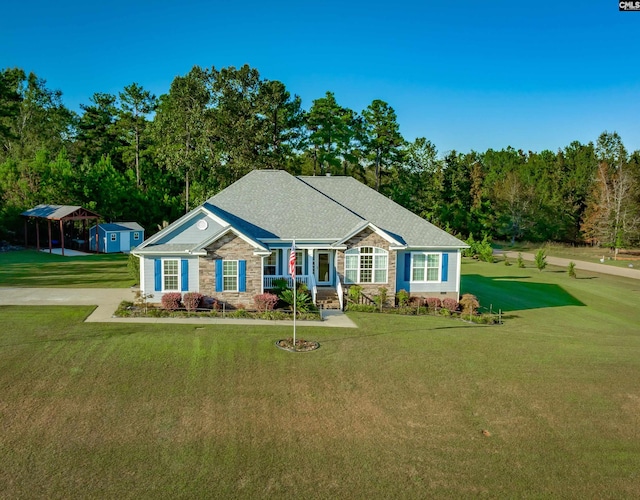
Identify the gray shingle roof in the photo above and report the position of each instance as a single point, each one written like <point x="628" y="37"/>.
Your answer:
<point x="268" y="204"/>
<point x="402" y="224"/>
<point x="54" y="212"/>
<point x="274" y="205"/>
<point x="121" y="226"/>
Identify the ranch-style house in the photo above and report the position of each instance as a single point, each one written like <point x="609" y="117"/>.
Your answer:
<point x="234" y="245"/>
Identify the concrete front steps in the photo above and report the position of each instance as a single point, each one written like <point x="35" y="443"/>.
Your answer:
<point x="327" y="298"/>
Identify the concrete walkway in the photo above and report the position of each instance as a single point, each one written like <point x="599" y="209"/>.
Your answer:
<point x="625" y="272"/>
<point x="108" y="299"/>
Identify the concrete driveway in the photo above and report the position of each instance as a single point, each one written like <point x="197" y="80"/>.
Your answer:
<point x="108" y="299"/>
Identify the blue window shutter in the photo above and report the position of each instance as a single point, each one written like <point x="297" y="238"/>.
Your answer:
<point x="184" y="275"/>
<point x="242" y="275"/>
<point x="407" y="267"/>
<point x="218" y="275"/>
<point x="445" y="267"/>
<point x="157" y="269"/>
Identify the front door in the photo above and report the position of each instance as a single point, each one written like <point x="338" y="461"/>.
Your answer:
<point x="324" y="267"/>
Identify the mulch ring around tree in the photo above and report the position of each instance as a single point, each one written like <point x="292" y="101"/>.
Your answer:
<point x="301" y="345"/>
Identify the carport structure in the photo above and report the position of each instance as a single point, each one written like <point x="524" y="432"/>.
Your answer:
<point x="61" y="214"/>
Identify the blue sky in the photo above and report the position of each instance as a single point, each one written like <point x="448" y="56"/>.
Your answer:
<point x="464" y="74"/>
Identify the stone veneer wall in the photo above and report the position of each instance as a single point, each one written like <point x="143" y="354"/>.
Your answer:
<point x="368" y="238"/>
<point x="231" y="247"/>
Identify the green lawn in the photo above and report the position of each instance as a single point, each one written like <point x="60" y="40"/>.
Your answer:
<point x="30" y="268"/>
<point x="394" y="409"/>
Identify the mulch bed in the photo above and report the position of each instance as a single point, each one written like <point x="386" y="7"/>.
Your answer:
<point x="301" y="345"/>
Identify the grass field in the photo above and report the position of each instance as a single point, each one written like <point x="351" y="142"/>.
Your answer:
<point x="393" y="409"/>
<point x="30" y="268"/>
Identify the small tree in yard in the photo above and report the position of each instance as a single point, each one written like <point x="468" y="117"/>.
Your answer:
<point x="381" y="298"/>
<point x="133" y="266"/>
<point x="355" y="294"/>
<point x="469" y="304"/>
<point x="541" y="259"/>
<point x="520" y="261"/>
<point x="572" y="270"/>
<point x="403" y="298"/>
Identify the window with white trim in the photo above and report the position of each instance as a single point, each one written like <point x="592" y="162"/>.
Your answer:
<point x="299" y="262"/>
<point x="171" y="274"/>
<point x="136" y="235"/>
<point x="229" y="275"/>
<point x="114" y="236"/>
<point x="366" y="265"/>
<point x="425" y="267"/>
<point x="271" y="264"/>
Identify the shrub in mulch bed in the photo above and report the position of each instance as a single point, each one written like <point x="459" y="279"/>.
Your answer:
<point x="192" y="301"/>
<point x="129" y="310"/>
<point x="484" y="319"/>
<point x="450" y="304"/>
<point x="301" y="345"/>
<point x="265" y="301"/>
<point x="433" y="303"/>
<point x="171" y="301"/>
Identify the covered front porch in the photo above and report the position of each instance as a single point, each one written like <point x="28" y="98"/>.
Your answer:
<point x="315" y="268"/>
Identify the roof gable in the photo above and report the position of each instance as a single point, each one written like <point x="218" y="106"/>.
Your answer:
<point x="187" y="231"/>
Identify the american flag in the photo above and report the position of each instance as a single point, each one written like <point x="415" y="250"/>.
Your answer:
<point x="292" y="262"/>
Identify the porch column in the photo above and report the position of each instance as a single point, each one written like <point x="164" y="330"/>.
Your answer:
<point x="49" y="221"/>
<point x="61" y="237"/>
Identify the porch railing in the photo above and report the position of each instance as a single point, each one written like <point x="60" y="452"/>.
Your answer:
<point x="307" y="279"/>
<point x="313" y="288"/>
<point x="340" y="293"/>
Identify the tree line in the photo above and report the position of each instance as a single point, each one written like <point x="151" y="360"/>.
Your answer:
<point x="135" y="156"/>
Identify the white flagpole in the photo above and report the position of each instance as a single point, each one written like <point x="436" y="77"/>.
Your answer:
<point x="294" y="295"/>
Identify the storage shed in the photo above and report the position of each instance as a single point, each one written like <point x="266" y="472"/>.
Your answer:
<point x="116" y="237"/>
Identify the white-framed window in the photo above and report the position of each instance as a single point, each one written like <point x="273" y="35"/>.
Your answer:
<point x="136" y="235"/>
<point x="171" y="274"/>
<point x="366" y="265"/>
<point x="299" y="262"/>
<point x="114" y="236"/>
<point x="271" y="264"/>
<point x="425" y="267"/>
<point x="300" y="255"/>
<point x="229" y="275"/>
